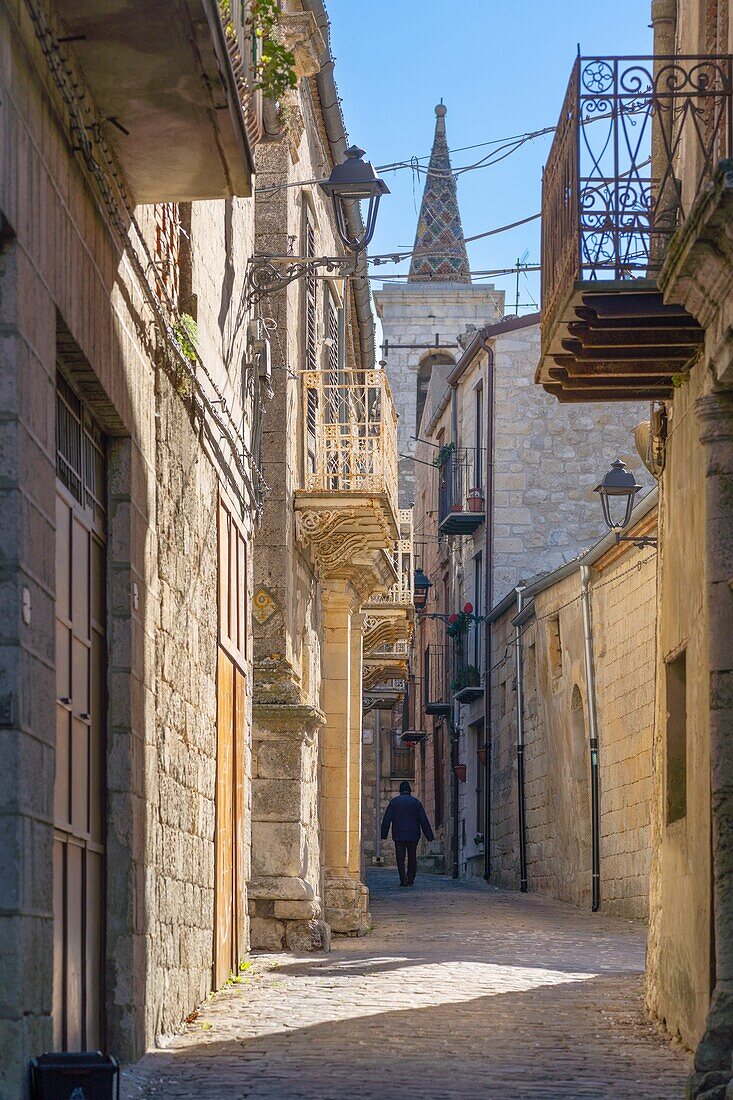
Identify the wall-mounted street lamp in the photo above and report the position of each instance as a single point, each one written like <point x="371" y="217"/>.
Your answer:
<point x="618" y="493"/>
<point x="354" y="180"/>
<point x="421" y="587"/>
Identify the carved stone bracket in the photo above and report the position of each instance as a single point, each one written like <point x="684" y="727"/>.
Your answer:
<point x="300" y="34"/>
<point x="332" y="536"/>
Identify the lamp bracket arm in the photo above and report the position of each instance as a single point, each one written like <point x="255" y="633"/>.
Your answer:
<point x="268" y="274"/>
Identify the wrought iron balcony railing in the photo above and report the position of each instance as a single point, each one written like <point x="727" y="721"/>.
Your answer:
<point x="350" y="426"/>
<point x="461" y="504"/>
<point x="637" y="139"/>
<point x="402" y="592"/>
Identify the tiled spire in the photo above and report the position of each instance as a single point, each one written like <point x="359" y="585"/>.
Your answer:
<point x="440" y="250"/>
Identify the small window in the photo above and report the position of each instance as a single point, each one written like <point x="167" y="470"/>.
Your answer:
<point x="677" y="738"/>
<point x="554" y="641"/>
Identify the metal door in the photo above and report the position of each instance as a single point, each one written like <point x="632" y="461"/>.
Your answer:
<point x="230" y="868"/>
<point x="78" y="856"/>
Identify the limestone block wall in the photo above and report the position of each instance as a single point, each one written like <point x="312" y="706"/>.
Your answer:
<point x="557" y="757"/>
<point x="625" y="617"/>
<point x="413" y="313"/>
<point x="183" y="736"/>
<point x="680" y="949"/>
<point x="548" y="458"/>
<point x="68" y="294"/>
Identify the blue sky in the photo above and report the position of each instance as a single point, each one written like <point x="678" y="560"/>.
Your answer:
<point x="501" y="69"/>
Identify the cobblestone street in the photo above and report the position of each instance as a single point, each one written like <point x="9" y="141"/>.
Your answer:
<point x="460" y="990"/>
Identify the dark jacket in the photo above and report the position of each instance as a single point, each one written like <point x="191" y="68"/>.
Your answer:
<point x="406" y="816"/>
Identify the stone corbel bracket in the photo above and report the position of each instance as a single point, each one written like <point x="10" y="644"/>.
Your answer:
<point x="347" y="543"/>
<point x="299" y="33"/>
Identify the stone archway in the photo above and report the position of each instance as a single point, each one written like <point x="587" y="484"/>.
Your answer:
<point x="424" y="372"/>
<point x="575" y="874"/>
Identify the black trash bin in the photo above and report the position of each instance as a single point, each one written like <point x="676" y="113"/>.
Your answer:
<point x="89" y="1075"/>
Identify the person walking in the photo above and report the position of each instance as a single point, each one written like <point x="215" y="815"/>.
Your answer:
<point x="406" y="817"/>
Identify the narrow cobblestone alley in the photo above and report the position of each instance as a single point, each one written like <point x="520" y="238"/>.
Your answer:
<point x="459" y="990"/>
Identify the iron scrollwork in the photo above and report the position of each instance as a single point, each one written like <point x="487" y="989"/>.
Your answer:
<point x="612" y="191"/>
<point x="270" y="274"/>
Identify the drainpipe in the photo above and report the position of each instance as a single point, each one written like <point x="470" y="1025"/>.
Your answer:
<point x="590" y="686"/>
<point x="519" y="672"/>
<point x="488" y="600"/>
<point x="454" y="761"/>
<point x="378" y="786"/>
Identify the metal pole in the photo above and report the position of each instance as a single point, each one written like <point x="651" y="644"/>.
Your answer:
<point x="520" y="746"/>
<point x="488" y="599"/>
<point x="454" y="735"/>
<point x="595" y="790"/>
<point x="378" y="786"/>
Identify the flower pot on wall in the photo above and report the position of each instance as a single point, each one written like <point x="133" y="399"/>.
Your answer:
<point x="475" y="500"/>
<point x="460" y="770"/>
<point x="482" y="756"/>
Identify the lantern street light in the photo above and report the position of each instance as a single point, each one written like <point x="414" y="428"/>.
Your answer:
<point x="421" y="586"/>
<point x="618" y="491"/>
<point x="352" y="181"/>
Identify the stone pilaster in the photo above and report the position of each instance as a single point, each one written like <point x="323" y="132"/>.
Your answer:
<point x="355" y="722"/>
<point x="284" y="893"/>
<point x="715" y="415"/>
<point x="345" y="897"/>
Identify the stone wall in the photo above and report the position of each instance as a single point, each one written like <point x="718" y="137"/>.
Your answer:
<point x="412" y="313"/>
<point x="557" y="756"/>
<point x="69" y="294"/>
<point x="548" y="458"/>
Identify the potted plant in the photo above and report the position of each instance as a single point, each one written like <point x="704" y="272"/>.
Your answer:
<point x="475" y="500"/>
<point x="460" y="770"/>
<point x="471" y="676"/>
<point x="443" y="455"/>
<point x="482" y="756"/>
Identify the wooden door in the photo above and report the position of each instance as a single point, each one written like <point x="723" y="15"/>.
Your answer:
<point x="230" y="867"/>
<point x="78" y="857"/>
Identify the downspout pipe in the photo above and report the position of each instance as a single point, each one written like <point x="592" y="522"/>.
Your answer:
<point x="454" y="735"/>
<point x="488" y="599"/>
<point x="521" y="808"/>
<point x="590" y="687"/>
<point x="378" y="786"/>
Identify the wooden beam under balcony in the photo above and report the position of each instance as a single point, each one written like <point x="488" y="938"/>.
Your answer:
<point x="161" y="78"/>
<point x="617" y="341"/>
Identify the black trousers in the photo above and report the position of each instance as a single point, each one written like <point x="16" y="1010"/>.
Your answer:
<point x="408" y="848"/>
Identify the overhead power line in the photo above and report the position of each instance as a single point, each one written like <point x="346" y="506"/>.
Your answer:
<point x="397" y="257"/>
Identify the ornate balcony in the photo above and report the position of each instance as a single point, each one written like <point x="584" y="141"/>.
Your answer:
<point x="347" y="509"/>
<point x="612" y="202"/>
<point x="461" y="505"/>
<point x="391" y="614"/>
<point x="178" y="114"/>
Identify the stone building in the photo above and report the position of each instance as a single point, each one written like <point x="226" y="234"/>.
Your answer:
<point x="504" y="491"/>
<point x="130" y="489"/>
<point x="552" y="715"/>
<point x="326" y="549"/>
<point x="146" y="518"/>
<point x="423" y="318"/>
<point x="649" y="318"/>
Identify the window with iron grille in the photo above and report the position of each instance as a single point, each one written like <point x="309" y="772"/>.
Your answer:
<point x="167" y="251"/>
<point x="79" y="451"/>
